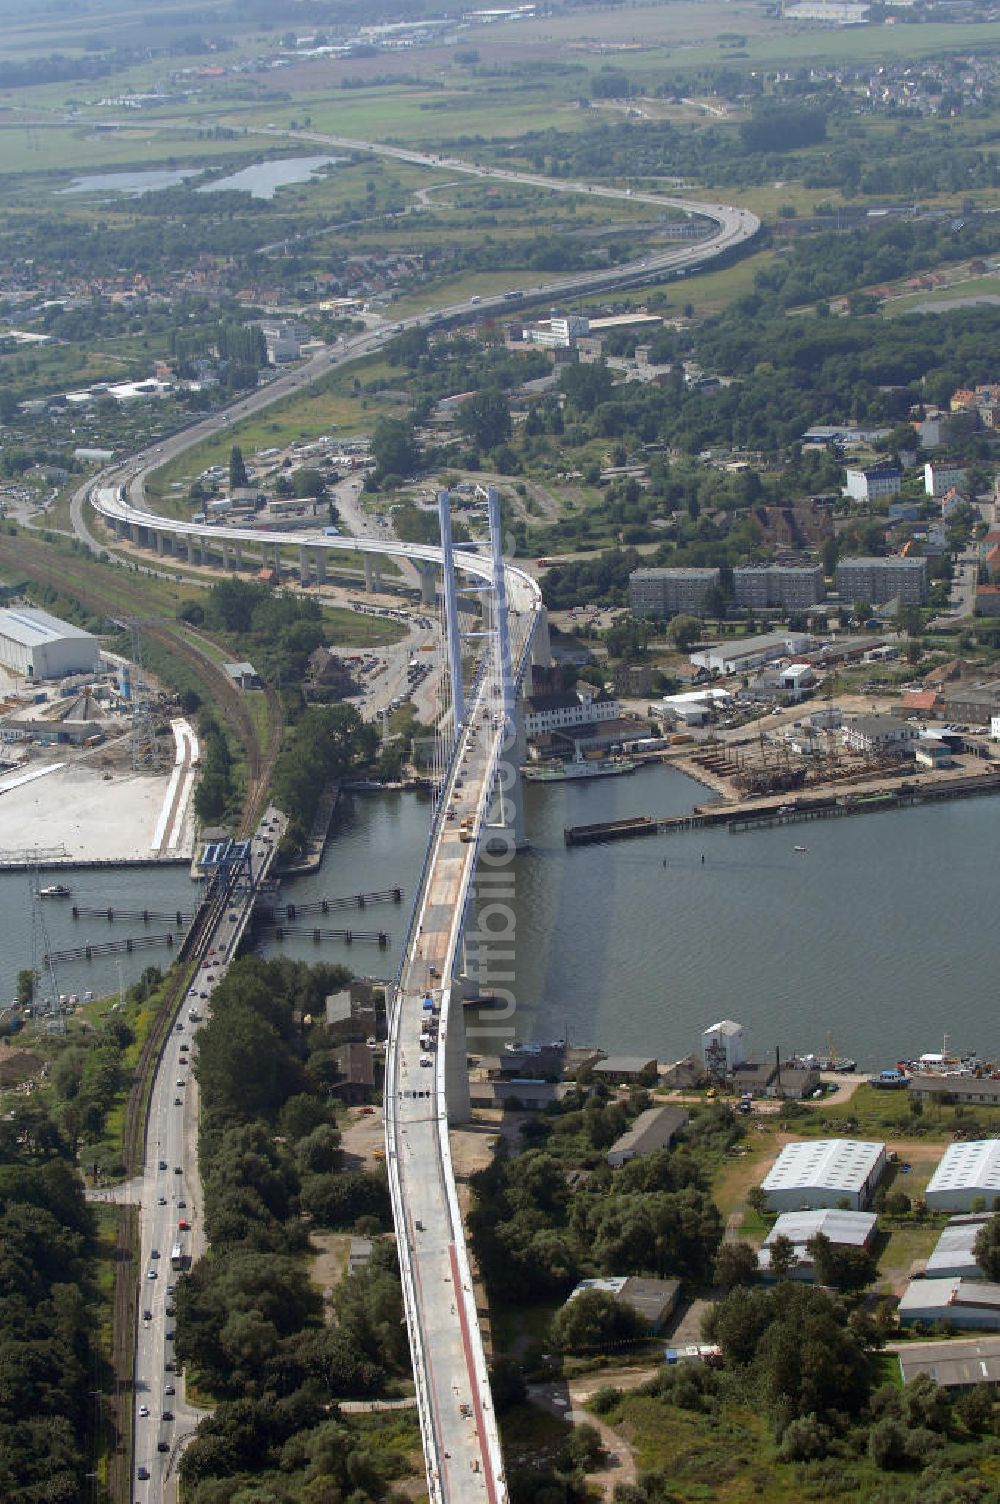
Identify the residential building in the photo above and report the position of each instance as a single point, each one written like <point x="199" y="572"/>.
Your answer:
<point x="846" y="1229"/>
<point x="355" y="1074"/>
<point x="879" y="736"/>
<point x="824" y="1172"/>
<point x="742" y="654"/>
<point x="357" y="1012"/>
<point x="653" y="1129"/>
<point x="953" y="1255"/>
<point x="872" y="482"/>
<point x="878" y="580"/>
<point x="36" y="645"/>
<point x="968" y="1175"/>
<point x="987" y="600"/>
<point x="792" y="587"/>
<point x="723" y="1048"/>
<point x="654" y="1300"/>
<point x="964" y="1303"/>
<point x="665" y="592"/>
<point x="941" y="475"/>
<point x="959" y="1363"/>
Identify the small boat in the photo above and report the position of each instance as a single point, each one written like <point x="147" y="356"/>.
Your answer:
<point x="54" y="890"/>
<point x="800" y="848"/>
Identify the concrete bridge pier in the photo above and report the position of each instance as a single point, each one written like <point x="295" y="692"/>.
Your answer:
<point x="505" y="816"/>
<point x="134" y="532"/>
<point x="428" y="584"/>
<point x="303" y="565"/>
<point x="239" y="556"/>
<point x="159" y="542"/>
<point x="225" y="556"/>
<point x="369" y="574"/>
<point x="321" y="566"/>
<point x="277" y="560"/>
<point x="541" y="646"/>
<point x="456" y="1060"/>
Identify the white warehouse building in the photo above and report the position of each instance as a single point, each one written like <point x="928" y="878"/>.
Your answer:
<point x="824" y="1172"/>
<point x="968" y="1172"/>
<point x="39" y="646"/>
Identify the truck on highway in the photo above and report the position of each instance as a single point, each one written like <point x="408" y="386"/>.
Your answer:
<point x="177" y="1258"/>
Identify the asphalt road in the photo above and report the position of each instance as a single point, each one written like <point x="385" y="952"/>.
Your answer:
<point x="171" y="1212"/>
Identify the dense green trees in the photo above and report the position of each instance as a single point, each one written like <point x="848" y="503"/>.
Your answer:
<point x="485" y="417"/>
<point x="249" y="1318"/>
<point x="534" y="1240"/>
<point x="325" y="744"/>
<point x="47" y="1351"/>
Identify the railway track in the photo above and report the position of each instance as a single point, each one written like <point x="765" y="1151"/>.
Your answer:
<point x="69" y="575"/>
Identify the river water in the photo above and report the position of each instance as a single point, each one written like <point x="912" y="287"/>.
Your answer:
<point x="875" y="935"/>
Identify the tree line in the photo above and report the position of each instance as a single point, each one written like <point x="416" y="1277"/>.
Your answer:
<point x="249" y="1319"/>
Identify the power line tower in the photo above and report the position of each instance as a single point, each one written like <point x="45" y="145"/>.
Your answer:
<point x="45" y="1007"/>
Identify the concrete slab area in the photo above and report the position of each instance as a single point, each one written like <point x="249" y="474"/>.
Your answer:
<point x="94" y="818"/>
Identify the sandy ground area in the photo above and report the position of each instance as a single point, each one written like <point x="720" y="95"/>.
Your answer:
<point x="93" y="818"/>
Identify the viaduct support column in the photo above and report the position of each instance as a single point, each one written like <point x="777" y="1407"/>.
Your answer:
<point x="321" y="567"/>
<point x="159" y="542"/>
<point x="277" y="560"/>
<point x="369" y="575"/>
<point x="541" y="646"/>
<point x="225" y="557"/>
<point x="303" y="565"/>
<point x="133" y="528"/>
<point x="377" y="567"/>
<point x="456" y="1061"/>
<point x="451" y="614"/>
<point x="239" y="556"/>
<point x="428" y="584"/>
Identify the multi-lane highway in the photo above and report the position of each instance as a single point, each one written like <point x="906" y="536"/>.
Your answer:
<point x="461" y="1445"/>
<point x="171" y="1211"/>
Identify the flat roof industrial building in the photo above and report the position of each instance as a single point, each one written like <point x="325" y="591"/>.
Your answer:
<point x="954" y="1253"/>
<point x="853" y="1229"/>
<point x="973" y="1303"/>
<point x="824" y="1172"/>
<point x="39" y="646"/>
<point x="960" y="1363"/>
<point x="653" y="1129"/>
<point x="968" y="1172"/>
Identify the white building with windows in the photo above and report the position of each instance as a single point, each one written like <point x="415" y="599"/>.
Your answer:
<point x="879" y="735"/>
<point x="872" y="482"/>
<point x="561" y="710"/>
<point x="824" y="1172"/>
